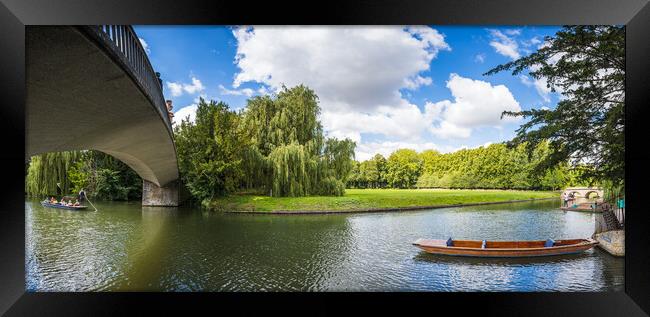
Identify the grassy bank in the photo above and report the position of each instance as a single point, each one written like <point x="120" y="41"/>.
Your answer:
<point x="363" y="199"/>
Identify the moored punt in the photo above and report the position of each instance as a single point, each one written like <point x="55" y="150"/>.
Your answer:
<point x="477" y="248"/>
<point x="59" y="206"/>
<point x="585" y="207"/>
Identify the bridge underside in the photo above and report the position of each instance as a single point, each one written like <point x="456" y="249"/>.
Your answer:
<point x="78" y="98"/>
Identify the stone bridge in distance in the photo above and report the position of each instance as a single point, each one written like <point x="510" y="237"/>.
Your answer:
<point x="93" y="88"/>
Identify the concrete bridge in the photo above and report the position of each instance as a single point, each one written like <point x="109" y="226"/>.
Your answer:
<point x="582" y="194"/>
<point x="93" y="87"/>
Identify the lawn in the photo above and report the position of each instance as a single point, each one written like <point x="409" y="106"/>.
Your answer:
<point x="356" y="199"/>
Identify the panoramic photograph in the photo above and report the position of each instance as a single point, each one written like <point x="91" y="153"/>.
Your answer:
<point x="325" y="158"/>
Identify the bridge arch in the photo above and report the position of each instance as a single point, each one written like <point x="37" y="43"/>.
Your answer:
<point x="584" y="194"/>
<point x="93" y="88"/>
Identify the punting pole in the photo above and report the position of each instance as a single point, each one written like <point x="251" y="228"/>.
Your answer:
<point x="90" y="202"/>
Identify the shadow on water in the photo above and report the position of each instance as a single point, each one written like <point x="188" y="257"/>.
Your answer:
<point x="145" y="253"/>
<point x="125" y="247"/>
<point x="484" y="261"/>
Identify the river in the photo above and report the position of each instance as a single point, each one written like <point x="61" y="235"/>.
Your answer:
<point x="126" y="247"/>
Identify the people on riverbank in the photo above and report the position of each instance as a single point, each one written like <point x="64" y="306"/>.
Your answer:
<point x="169" y="109"/>
<point x="571" y="198"/>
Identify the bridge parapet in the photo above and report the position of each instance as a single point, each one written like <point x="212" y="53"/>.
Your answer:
<point x="123" y="45"/>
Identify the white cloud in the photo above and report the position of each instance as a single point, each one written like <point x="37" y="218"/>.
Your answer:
<point x="195" y="87"/>
<point x="264" y="91"/>
<point x="434" y="40"/>
<point x="476" y="104"/>
<point x="479" y="58"/>
<point x="513" y="31"/>
<point x="532" y="42"/>
<point x="405" y="122"/>
<point x="358" y="68"/>
<point x="526" y="80"/>
<point x="184" y="113"/>
<point x="175" y="88"/>
<point x="359" y="74"/>
<point x="145" y="46"/>
<point x="540" y="86"/>
<point x="542" y="89"/>
<point x="505" y="45"/>
<point x="415" y="83"/>
<point x="449" y="130"/>
<point x="368" y="150"/>
<point x="385" y="148"/>
<point x="178" y="88"/>
<point x="237" y="92"/>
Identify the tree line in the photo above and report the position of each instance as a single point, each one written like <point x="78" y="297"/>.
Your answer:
<point x="487" y="167"/>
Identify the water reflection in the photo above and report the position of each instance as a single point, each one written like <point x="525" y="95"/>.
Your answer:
<point x="516" y="274"/>
<point x="124" y="246"/>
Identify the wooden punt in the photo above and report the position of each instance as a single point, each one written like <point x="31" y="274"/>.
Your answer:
<point x="583" y="208"/>
<point x="505" y="249"/>
<point x="59" y="206"/>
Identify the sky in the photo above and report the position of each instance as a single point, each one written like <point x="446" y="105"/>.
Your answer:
<point x="384" y="87"/>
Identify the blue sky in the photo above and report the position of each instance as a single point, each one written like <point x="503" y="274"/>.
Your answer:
<point x="384" y="87"/>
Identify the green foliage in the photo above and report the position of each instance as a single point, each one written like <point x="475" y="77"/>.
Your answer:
<point x="293" y="157"/>
<point x="109" y="185"/>
<point x="292" y="170"/>
<point x="493" y="167"/>
<point x="105" y="177"/>
<point x="80" y="175"/>
<point x="338" y="156"/>
<point x="47" y="170"/>
<point x="613" y="192"/>
<point x="368" y="174"/>
<point x="555" y="178"/>
<point x="587" y="65"/>
<point x="274" y="145"/>
<point x="99" y="174"/>
<point x="403" y="168"/>
<point x="211" y="151"/>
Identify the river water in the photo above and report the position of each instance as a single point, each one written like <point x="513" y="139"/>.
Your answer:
<point x="126" y="247"/>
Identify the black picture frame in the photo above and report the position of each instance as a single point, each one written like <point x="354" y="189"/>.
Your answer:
<point x="634" y="14"/>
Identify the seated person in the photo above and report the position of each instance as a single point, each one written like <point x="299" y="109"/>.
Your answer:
<point x="52" y="200"/>
<point x="63" y="202"/>
<point x="76" y="202"/>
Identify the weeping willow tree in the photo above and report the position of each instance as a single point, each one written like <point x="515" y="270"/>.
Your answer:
<point x="293" y="157"/>
<point x="274" y="145"/>
<point x="101" y="175"/>
<point x="47" y="170"/>
<point x="293" y="169"/>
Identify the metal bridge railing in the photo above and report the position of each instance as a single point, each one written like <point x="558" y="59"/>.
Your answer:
<point x="620" y="215"/>
<point x="124" y="45"/>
